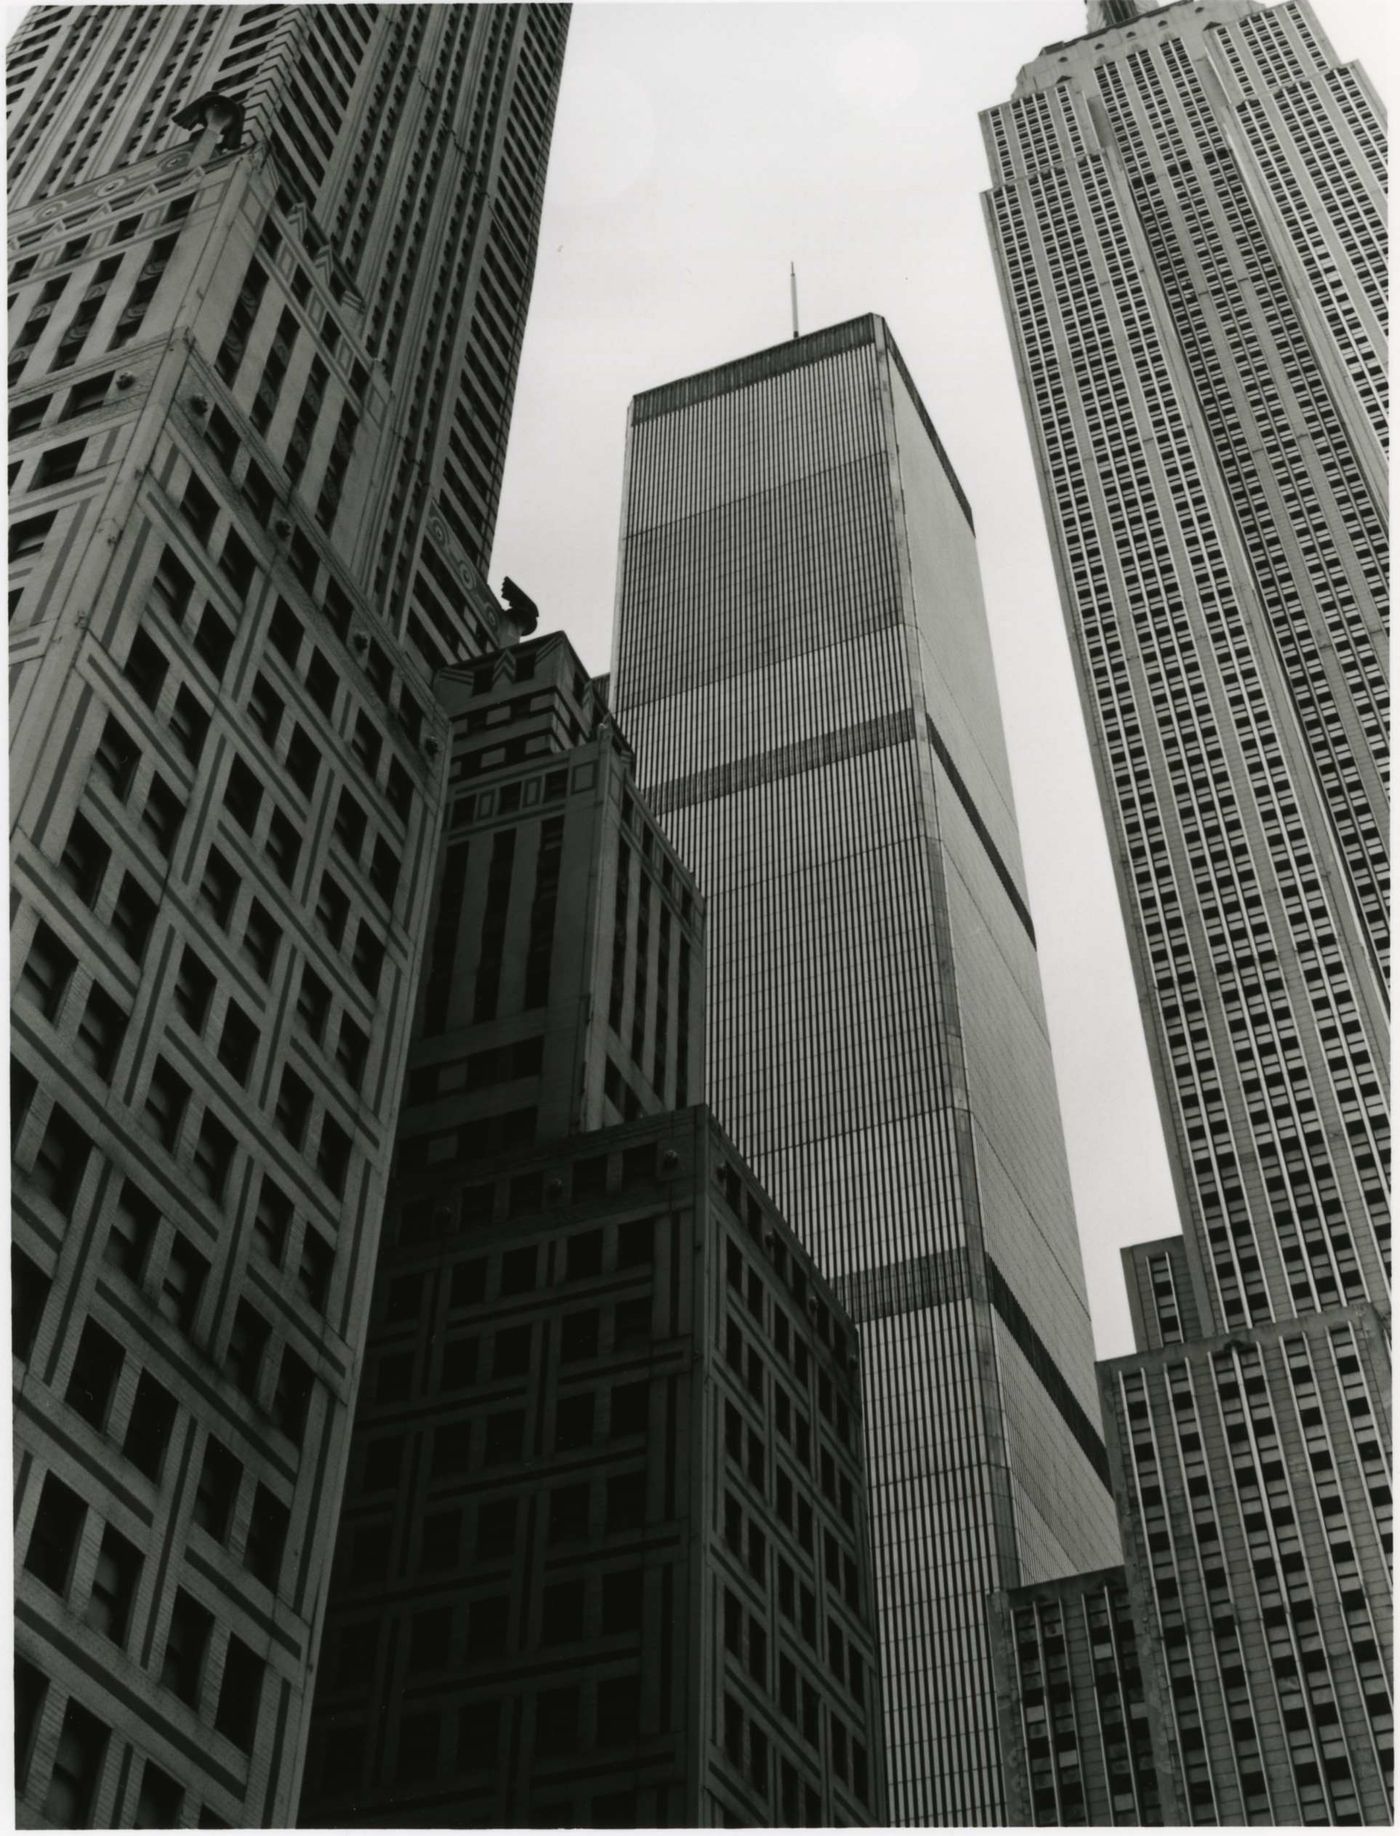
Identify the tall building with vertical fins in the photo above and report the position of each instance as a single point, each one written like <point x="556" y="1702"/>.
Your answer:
<point x="269" y="269"/>
<point x="802" y="663"/>
<point x="1188" y="219"/>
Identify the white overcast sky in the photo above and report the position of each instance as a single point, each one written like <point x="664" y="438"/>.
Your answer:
<point x="700" y="147"/>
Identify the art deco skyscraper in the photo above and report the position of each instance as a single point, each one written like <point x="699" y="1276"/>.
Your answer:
<point x="803" y="666"/>
<point x="269" y="275"/>
<point x="1188" y="219"/>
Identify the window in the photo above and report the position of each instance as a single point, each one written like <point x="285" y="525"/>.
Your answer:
<point x="29" y="1293"/>
<point x="511" y="1352"/>
<point x="237" y="565"/>
<point x="578" y="1337"/>
<point x="573" y="1421"/>
<point x="219" y="1480"/>
<point x="261" y="936"/>
<point x="199" y="509"/>
<point x="59" y="464"/>
<point x="133" y="918"/>
<point x="240" y="1695"/>
<point x="314" y="1269"/>
<point x="219" y="888"/>
<point x="77" y="1768"/>
<point x="48" y="969"/>
<point x="627" y="1501"/>
<point x="172" y="587"/>
<point x="186" y="1272"/>
<point x="313" y="1002"/>
<point x="283" y="847"/>
<point x="84" y="859"/>
<point x="291" y="1400"/>
<point x="132" y="1232"/>
<point x="189" y="725"/>
<point x="162" y="816"/>
<point x="151" y="1426"/>
<point x="332" y="909"/>
<point x="186" y="1647"/>
<point x="267" y="1537"/>
<point x="333" y="1155"/>
<point x="303" y="760"/>
<point x="31" y="1692"/>
<point x="238" y="1042"/>
<point x="622" y="1601"/>
<point x="556" y="1721"/>
<point x="213" y="1156"/>
<point x="265" y="709"/>
<point x="159" y="1804"/>
<point x="27" y="538"/>
<point x="114" y="1585"/>
<point x="246" y="1346"/>
<point x="100" y="1032"/>
<point x="350" y="824"/>
<point x="619" y="1710"/>
<point x="367" y="959"/>
<point x="352" y="1052"/>
<point x="442" y="1531"/>
<point x="117" y="757"/>
<point x="213" y="641"/>
<point x="53" y="1542"/>
<point x="271" y="1221"/>
<point x="59" y="1165"/>
<point x="243" y="796"/>
<point x="293" y="1107"/>
<point x="93" y="1379"/>
<point x="166" y="1099"/>
<point x="629" y="1408"/>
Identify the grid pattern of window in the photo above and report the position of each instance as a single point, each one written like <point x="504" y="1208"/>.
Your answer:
<point x="827" y="755"/>
<point x="1217" y="505"/>
<point x="1188" y="217"/>
<point x="227" y="775"/>
<point x="1256" y="1484"/>
<point x="1084" y="1722"/>
<point x="604" y="1559"/>
<point x="515" y="1031"/>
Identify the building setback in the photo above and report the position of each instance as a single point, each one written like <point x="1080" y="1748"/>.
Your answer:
<point x="604" y="1558"/>
<point x="802" y="662"/>
<point x="263" y="345"/>
<point x="1188" y="219"/>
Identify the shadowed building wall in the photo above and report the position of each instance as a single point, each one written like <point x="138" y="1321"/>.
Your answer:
<point x="257" y="309"/>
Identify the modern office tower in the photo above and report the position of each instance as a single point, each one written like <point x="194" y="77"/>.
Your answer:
<point x="269" y="269"/>
<point x="1188" y="221"/>
<point x="564" y="972"/>
<point x="604" y="1555"/>
<point x="1084" y="1729"/>
<point x="803" y="665"/>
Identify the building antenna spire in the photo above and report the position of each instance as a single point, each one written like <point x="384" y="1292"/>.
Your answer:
<point x="792" y="277"/>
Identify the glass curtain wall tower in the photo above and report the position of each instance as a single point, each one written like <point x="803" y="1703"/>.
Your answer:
<point x="1188" y="218"/>
<point x="802" y="662"/>
<point x="269" y="273"/>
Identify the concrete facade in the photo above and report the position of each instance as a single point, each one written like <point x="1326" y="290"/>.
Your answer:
<point x="227" y="602"/>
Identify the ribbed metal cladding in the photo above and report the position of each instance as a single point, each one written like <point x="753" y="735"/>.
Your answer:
<point x="802" y="663"/>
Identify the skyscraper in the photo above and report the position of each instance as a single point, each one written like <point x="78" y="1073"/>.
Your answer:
<point x="604" y="1558"/>
<point x="803" y="665"/>
<point x="271" y="269"/>
<point x="1188" y="219"/>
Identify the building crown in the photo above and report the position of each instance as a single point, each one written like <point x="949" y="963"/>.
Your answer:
<point x="1106" y="13"/>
